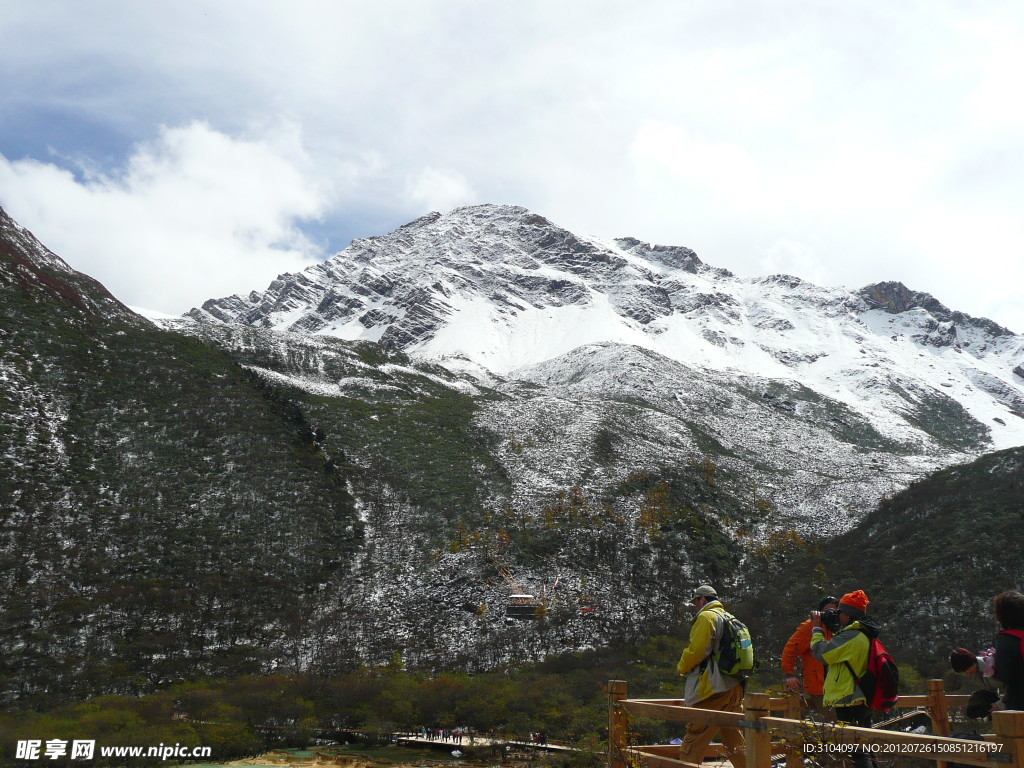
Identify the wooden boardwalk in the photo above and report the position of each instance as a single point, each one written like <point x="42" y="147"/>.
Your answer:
<point x="788" y="737"/>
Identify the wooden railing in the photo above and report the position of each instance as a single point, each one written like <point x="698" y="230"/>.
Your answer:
<point x="767" y="735"/>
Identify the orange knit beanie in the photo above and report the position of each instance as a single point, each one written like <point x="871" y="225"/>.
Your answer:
<point x="854" y="604"/>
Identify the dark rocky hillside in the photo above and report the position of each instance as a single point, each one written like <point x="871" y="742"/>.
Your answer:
<point x="446" y="542"/>
<point x="937" y="553"/>
<point x="931" y="557"/>
<point x="164" y="514"/>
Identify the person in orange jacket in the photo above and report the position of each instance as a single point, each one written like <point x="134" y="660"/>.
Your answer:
<point x="804" y="673"/>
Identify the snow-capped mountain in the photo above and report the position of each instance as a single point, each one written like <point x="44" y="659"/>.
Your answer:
<point x="499" y="289"/>
<point x="218" y="494"/>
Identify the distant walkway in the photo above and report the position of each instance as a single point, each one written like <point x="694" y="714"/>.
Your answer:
<point x="479" y="741"/>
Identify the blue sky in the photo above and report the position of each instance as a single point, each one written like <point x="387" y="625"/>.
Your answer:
<point x="185" y="150"/>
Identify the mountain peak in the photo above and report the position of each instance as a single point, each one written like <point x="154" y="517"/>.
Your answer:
<point x="502" y="288"/>
<point x="674" y="256"/>
<point x="895" y="298"/>
<point x="494" y="210"/>
<point x="21" y="247"/>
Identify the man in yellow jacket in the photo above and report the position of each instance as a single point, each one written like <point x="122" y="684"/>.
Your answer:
<point x="707" y="687"/>
<point x="846" y="655"/>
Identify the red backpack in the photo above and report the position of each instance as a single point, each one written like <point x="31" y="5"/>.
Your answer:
<point x="1019" y="634"/>
<point x="881" y="680"/>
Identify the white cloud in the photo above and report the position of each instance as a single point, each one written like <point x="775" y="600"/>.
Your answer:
<point x="996" y="59"/>
<point x="724" y="170"/>
<point x="787" y="257"/>
<point x="436" y="189"/>
<point x="976" y="260"/>
<point x="194" y="214"/>
<point x="812" y="137"/>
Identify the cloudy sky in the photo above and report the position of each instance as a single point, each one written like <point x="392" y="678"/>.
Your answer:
<point x="188" y="149"/>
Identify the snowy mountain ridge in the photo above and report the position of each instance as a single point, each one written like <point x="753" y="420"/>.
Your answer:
<point x="215" y="496"/>
<point x="498" y="290"/>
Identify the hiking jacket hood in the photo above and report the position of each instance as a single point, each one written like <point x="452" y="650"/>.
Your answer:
<point x="850" y="644"/>
<point x="703" y="677"/>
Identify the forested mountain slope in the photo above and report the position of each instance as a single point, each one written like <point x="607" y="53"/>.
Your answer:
<point x="164" y="513"/>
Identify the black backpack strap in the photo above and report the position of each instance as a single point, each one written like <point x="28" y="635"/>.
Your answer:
<point x="850" y="667"/>
<point x="852" y="673"/>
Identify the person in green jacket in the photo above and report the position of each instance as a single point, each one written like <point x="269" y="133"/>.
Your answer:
<point x="846" y="655"/>
<point x="707" y="687"/>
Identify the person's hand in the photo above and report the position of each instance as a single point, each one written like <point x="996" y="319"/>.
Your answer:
<point x="793" y="683"/>
<point x="816" y="620"/>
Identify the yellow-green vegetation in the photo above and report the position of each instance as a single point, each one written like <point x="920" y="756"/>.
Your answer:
<point x="564" y="697"/>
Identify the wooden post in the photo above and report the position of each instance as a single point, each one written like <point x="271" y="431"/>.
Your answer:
<point x="757" y="735"/>
<point x="1009" y="728"/>
<point x="938" y="711"/>
<point x="618" y="723"/>
<point x="794" y="711"/>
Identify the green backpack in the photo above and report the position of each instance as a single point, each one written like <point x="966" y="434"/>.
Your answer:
<point x="735" y="655"/>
